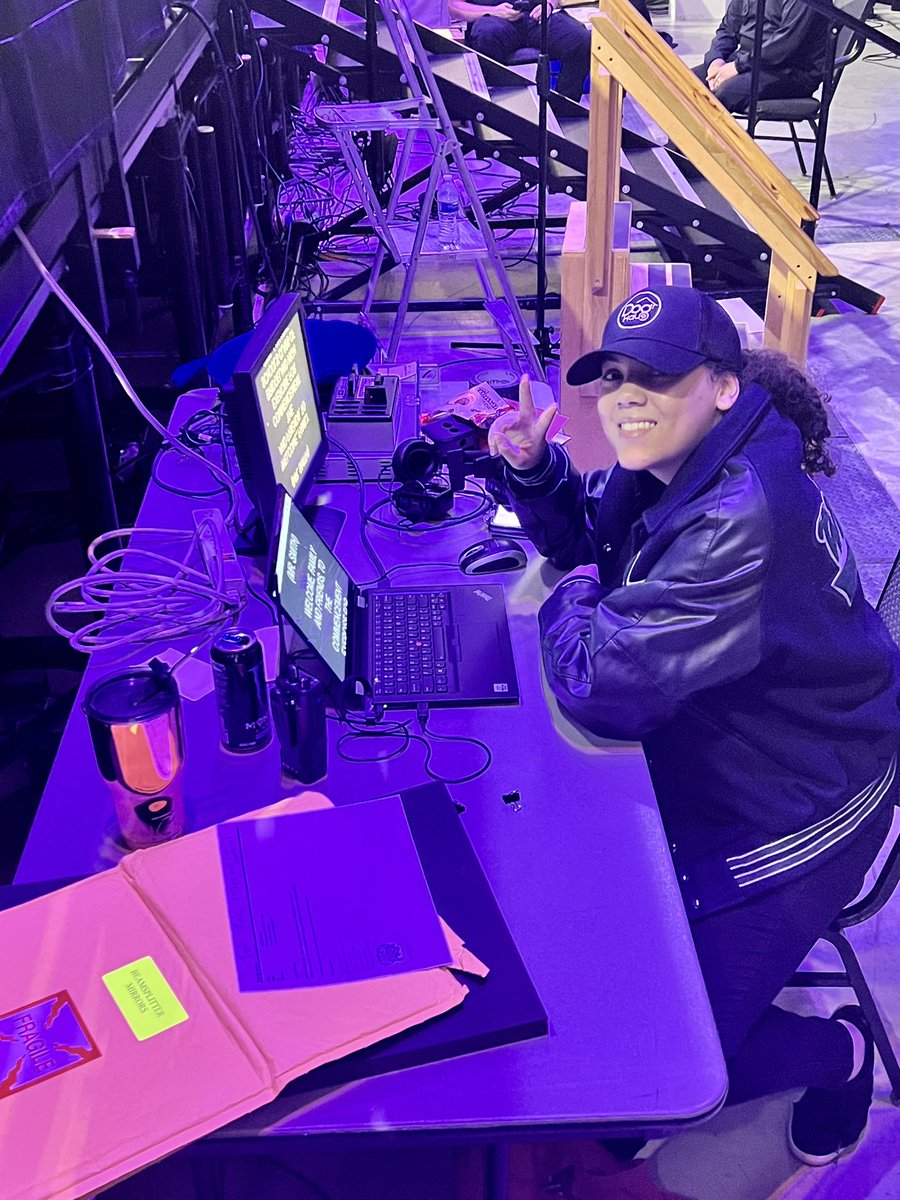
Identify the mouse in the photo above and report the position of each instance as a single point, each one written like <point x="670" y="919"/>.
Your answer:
<point x="493" y="554"/>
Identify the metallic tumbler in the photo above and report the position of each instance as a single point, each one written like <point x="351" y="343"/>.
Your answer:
<point x="135" y="722"/>
<point x="298" y="705"/>
<point x="241" y="692"/>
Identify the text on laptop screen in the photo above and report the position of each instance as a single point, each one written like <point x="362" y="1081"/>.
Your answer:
<point x="287" y="404"/>
<point x="313" y="588"/>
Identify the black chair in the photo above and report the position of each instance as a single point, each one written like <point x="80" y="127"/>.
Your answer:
<point x="871" y="901"/>
<point x="793" y="111"/>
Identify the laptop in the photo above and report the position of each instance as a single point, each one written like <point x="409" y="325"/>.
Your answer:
<point x="446" y="646"/>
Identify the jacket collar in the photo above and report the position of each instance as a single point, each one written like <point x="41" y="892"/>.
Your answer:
<point x="706" y="461"/>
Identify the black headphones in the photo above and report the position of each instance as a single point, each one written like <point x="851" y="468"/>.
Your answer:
<point x="420" y="496"/>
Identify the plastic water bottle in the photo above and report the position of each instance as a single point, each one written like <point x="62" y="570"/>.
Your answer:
<point x="448" y="214"/>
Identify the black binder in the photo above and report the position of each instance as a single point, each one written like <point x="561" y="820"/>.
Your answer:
<point x="502" y="1008"/>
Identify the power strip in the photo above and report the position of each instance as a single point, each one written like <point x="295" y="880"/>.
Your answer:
<point x="218" y="552"/>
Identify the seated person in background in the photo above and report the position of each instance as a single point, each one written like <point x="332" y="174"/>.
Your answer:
<point x="506" y="28"/>
<point x="503" y="29"/>
<point x="792" y="58"/>
<point x="716" y="615"/>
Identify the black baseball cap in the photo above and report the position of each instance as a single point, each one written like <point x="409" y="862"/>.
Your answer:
<point x="671" y="329"/>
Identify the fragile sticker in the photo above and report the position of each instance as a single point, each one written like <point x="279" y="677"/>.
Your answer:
<point x="40" y="1041"/>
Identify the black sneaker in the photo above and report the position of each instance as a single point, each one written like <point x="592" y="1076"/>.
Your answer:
<point x="829" y="1123"/>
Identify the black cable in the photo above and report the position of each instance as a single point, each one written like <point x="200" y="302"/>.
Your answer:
<point x="267" y="601"/>
<point x="239" y="149"/>
<point x="419" y="566"/>
<point x="191" y="493"/>
<point x="483" y="746"/>
<point x="394" y="730"/>
<point x="401" y="729"/>
<point x="361" y="496"/>
<point x="192" y="431"/>
<point x="485" y="502"/>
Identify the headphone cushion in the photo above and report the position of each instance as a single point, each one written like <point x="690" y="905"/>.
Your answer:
<point x="414" y="460"/>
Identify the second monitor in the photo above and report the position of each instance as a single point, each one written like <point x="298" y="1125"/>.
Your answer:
<point x="272" y="409"/>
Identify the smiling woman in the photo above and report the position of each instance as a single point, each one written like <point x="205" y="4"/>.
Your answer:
<point x="654" y="420"/>
<point x="725" y="627"/>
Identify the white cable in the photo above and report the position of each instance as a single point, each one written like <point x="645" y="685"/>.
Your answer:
<point x="135" y="596"/>
<point x="222" y="476"/>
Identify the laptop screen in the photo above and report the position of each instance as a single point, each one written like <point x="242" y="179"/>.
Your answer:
<point x="313" y="588"/>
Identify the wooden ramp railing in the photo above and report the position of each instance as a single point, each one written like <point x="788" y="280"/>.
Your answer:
<point x="628" y="55"/>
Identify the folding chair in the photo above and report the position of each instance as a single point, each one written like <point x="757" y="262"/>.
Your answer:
<point x="792" y="111"/>
<point x="871" y="902"/>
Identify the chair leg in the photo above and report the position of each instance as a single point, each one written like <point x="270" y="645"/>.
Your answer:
<point x="869" y="1007"/>
<point x="825" y="162"/>
<point x="796" y="141"/>
<point x="828" y="178"/>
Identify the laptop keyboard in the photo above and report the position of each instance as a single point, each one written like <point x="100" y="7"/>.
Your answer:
<point x="409" y="643"/>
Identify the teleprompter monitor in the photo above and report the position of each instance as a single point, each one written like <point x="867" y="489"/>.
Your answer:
<point x="272" y="410"/>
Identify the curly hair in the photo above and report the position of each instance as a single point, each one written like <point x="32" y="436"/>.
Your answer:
<point x="795" y="396"/>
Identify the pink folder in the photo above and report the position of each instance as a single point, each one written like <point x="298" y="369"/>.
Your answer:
<point x="89" y="1095"/>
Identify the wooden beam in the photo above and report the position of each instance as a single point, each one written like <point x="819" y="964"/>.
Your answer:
<point x="788" y="309"/>
<point x="652" y="49"/>
<point x="573" y="339"/>
<point x="592" y="267"/>
<point x="604" y="157"/>
<point x="696" y="121"/>
<point x="584" y="310"/>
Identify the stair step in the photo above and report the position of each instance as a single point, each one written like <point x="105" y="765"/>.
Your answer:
<point x="750" y="324"/>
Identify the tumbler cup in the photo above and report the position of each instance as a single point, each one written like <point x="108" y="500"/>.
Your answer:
<point x="135" y="722"/>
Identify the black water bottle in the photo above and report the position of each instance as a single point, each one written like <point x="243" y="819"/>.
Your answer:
<point x="298" y="706"/>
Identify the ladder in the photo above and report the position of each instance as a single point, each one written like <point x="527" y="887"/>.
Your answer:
<point x="422" y="115"/>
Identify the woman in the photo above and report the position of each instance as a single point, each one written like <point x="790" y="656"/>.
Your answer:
<point x="725" y="627"/>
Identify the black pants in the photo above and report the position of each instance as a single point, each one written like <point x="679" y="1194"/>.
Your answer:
<point x="567" y="40"/>
<point x="773" y="85"/>
<point x="747" y="955"/>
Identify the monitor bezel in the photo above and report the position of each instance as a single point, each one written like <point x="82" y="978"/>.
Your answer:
<point x="241" y="399"/>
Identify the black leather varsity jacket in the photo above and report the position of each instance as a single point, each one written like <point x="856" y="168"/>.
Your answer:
<point x="729" y="634"/>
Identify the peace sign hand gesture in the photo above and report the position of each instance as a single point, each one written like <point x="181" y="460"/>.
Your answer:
<point x="519" y="437"/>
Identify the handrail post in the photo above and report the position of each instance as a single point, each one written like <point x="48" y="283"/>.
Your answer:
<point x="815" y="183"/>
<point x="756" y="65"/>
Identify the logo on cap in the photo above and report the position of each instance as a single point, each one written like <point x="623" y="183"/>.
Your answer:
<point x="640" y="310"/>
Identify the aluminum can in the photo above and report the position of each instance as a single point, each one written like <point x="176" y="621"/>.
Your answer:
<point x="134" y="719"/>
<point x="241" y="692"/>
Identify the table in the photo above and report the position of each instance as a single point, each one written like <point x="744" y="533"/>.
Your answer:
<point x="580" y="869"/>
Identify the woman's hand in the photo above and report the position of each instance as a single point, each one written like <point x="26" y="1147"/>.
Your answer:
<point x="520" y="437"/>
<point x="506" y="12"/>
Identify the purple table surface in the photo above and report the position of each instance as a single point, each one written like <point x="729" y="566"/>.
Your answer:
<point x="581" y="872"/>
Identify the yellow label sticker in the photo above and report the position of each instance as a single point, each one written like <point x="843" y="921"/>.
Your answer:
<point x="144" y="998"/>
